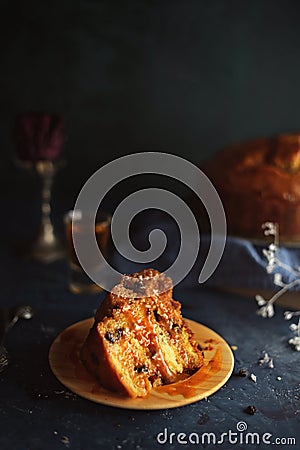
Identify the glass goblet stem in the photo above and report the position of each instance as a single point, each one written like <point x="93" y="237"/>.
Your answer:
<point x="46" y="171"/>
<point x="47" y="246"/>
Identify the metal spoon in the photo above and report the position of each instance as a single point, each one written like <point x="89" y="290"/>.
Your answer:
<point x="8" y="318"/>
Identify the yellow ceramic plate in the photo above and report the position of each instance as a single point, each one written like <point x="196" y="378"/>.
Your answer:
<point x="66" y="366"/>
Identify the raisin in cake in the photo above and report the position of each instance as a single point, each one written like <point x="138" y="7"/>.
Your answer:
<point x="139" y="339"/>
<point x="259" y="181"/>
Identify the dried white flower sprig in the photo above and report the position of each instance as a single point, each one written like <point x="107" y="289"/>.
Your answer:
<point x="295" y="341"/>
<point x="266" y="360"/>
<point x="266" y="307"/>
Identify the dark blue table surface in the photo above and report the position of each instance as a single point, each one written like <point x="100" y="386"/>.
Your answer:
<point x="37" y="412"/>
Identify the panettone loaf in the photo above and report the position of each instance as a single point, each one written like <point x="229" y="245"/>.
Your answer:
<point x="139" y="338"/>
<point x="259" y="181"/>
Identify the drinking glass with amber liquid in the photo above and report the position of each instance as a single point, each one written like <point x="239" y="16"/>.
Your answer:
<point x="79" y="281"/>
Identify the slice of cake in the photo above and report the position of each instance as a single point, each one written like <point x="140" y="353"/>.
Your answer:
<point x="139" y="339"/>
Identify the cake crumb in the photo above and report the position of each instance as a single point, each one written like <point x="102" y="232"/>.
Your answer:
<point x="234" y="347"/>
<point x="279" y="378"/>
<point x="251" y="410"/>
<point x="243" y="372"/>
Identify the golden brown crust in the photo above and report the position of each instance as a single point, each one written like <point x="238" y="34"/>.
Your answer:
<point x="259" y="181"/>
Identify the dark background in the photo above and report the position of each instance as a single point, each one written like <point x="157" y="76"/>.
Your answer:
<point x="185" y="77"/>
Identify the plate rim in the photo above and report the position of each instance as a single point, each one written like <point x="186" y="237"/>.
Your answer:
<point x="113" y="399"/>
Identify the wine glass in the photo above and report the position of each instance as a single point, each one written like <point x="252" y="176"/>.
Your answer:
<point x="40" y="137"/>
